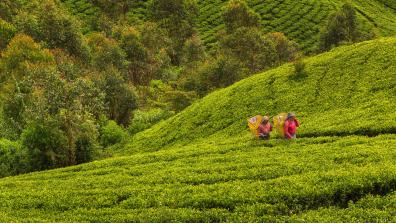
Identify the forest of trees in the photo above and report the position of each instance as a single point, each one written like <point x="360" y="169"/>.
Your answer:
<point x="68" y="93"/>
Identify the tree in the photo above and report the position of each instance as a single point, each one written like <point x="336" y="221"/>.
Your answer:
<point x="21" y="51"/>
<point x="8" y="8"/>
<point x="223" y="72"/>
<point x="28" y="24"/>
<point x="351" y="21"/>
<point x="105" y="52"/>
<point x="46" y="145"/>
<point x="55" y="27"/>
<point x="115" y="8"/>
<point x="193" y="51"/>
<point x="178" y="18"/>
<point x="147" y="51"/>
<point x="86" y="142"/>
<point x="237" y="14"/>
<point x="159" y="48"/>
<point x="137" y="56"/>
<point x="71" y="105"/>
<point x="286" y="49"/>
<point x="21" y="55"/>
<point x="39" y="97"/>
<point x="81" y="133"/>
<point x="120" y="99"/>
<point x="249" y="46"/>
<point x="341" y="27"/>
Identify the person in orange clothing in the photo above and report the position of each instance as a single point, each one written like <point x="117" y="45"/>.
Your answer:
<point x="265" y="128"/>
<point x="290" y="126"/>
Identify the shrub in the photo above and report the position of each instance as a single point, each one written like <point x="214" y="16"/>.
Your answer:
<point x="13" y="160"/>
<point x="86" y="143"/>
<point x="145" y="119"/>
<point x="299" y="69"/>
<point x="112" y="133"/>
<point x="7" y="31"/>
<point x="46" y="144"/>
<point x="178" y="100"/>
<point x="286" y="49"/>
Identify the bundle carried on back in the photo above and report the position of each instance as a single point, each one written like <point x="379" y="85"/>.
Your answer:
<point x="279" y="123"/>
<point x="254" y="124"/>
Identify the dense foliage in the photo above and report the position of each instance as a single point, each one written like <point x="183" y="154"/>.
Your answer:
<point x="325" y="179"/>
<point x="63" y="70"/>
<point x="341" y="27"/>
<point x="82" y="80"/>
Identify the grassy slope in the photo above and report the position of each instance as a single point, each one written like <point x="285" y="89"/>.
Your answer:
<point x="221" y="175"/>
<point x="299" y="20"/>
<point x="350" y="90"/>
<point x="235" y="181"/>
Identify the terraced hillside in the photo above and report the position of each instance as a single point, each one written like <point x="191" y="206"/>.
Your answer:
<point x="233" y="180"/>
<point x="203" y="166"/>
<point x="299" y="20"/>
<point x="351" y="90"/>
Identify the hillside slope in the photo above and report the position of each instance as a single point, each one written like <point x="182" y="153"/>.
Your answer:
<point x="310" y="180"/>
<point x="350" y="90"/>
<point x="202" y="166"/>
<point x="299" y="20"/>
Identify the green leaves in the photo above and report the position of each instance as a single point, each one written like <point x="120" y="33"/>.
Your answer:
<point x="237" y="14"/>
<point x="234" y="179"/>
<point x="332" y="98"/>
<point x="7" y="31"/>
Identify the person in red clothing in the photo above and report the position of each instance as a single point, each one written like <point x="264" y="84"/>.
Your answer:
<point x="265" y="128"/>
<point x="290" y="126"/>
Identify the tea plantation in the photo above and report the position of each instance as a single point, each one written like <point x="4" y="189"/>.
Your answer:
<point x="202" y="165"/>
<point x="299" y="20"/>
<point x="350" y="90"/>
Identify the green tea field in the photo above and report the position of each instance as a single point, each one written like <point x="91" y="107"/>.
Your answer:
<point x="236" y="180"/>
<point x="348" y="91"/>
<point x="203" y="165"/>
<point x="300" y="21"/>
